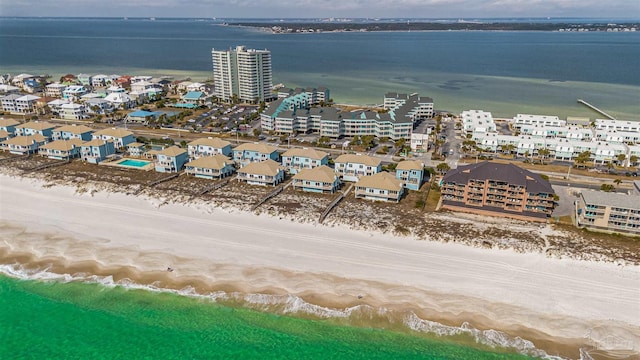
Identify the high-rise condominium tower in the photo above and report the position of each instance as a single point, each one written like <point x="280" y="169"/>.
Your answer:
<point x="245" y="73"/>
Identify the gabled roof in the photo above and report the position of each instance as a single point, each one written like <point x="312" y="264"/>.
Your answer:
<point x="172" y="151"/>
<point x="508" y="173"/>
<point x="266" y="168"/>
<point x="382" y="180"/>
<point x="358" y="159"/>
<point x="63" y="145"/>
<point x="306" y="152"/>
<point x="217" y="161"/>
<point x="25" y="140"/>
<point x="410" y="165"/>
<point x="213" y="142"/>
<point x="96" y="142"/>
<point x="135" y="145"/>
<point x="4" y="134"/>
<point x="8" y="122"/>
<point x="28" y="98"/>
<point x="74" y="129"/>
<point x="258" y="147"/>
<point x="114" y="132"/>
<point x="117" y="97"/>
<point x="320" y="174"/>
<point x="11" y="97"/>
<point x="36" y="125"/>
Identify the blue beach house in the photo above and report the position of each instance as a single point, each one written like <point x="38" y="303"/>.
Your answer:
<point x="97" y="150"/>
<point x="411" y="173"/>
<point x="68" y="132"/>
<point x="211" y="167"/>
<point x="61" y="149"/>
<point x="9" y="126"/>
<point x="263" y="173"/>
<point x="254" y="152"/>
<point x="120" y="137"/>
<point x="208" y="147"/>
<point x="320" y="179"/>
<point x="36" y="127"/>
<point x="351" y="167"/>
<point x="382" y="186"/>
<point x="297" y="159"/>
<point x="21" y="145"/>
<point x="171" y="159"/>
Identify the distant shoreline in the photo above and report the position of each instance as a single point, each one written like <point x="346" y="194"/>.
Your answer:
<point x="315" y="27"/>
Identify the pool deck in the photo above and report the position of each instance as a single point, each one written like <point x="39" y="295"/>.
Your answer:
<point x="115" y="163"/>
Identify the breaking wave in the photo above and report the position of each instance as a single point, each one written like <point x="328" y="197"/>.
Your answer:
<point x="294" y="305"/>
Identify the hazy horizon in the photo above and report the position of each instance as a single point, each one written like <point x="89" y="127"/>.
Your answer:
<point x="323" y="8"/>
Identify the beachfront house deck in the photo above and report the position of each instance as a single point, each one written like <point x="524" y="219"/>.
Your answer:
<point x="61" y="149"/>
<point x="320" y="179"/>
<point x="97" y="150"/>
<point x="381" y="186"/>
<point x="120" y="137"/>
<point x="211" y="167"/>
<point x="9" y="126"/>
<point x="294" y="160"/>
<point x="208" y="147"/>
<point x="21" y="145"/>
<point x="35" y="127"/>
<point x="171" y="159"/>
<point x="351" y="167"/>
<point x="73" y="131"/>
<point x="254" y="152"/>
<point x="136" y="149"/>
<point x="411" y="173"/>
<point x="267" y="172"/>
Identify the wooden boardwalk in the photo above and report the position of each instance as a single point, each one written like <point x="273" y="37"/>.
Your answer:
<point x="333" y="204"/>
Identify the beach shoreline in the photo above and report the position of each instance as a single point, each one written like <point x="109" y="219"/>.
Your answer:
<point x="137" y="238"/>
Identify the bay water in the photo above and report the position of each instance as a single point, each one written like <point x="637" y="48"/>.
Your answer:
<point x="502" y="72"/>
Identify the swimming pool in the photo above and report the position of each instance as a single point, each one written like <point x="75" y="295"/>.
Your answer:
<point x="134" y="163"/>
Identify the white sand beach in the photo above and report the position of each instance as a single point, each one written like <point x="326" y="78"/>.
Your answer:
<point x="567" y="300"/>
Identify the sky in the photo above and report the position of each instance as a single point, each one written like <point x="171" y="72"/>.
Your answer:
<point x="323" y="8"/>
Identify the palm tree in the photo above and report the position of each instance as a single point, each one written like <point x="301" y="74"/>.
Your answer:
<point x="617" y="182"/>
<point x="633" y="159"/>
<point x="543" y="153"/>
<point x="583" y="157"/>
<point x="621" y="159"/>
<point x="443" y="168"/>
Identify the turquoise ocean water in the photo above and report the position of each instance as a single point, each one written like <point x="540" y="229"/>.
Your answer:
<point x="75" y="320"/>
<point x="502" y="72"/>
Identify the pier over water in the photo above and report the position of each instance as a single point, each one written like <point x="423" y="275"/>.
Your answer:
<point x="595" y="109"/>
